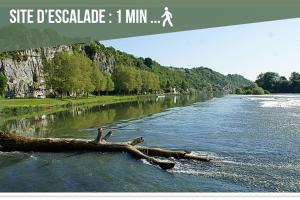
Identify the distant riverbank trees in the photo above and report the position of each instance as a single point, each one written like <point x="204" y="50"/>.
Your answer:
<point x="75" y="75"/>
<point x="77" y="71"/>
<point x="101" y="80"/>
<point x="275" y="83"/>
<point x="252" y="89"/>
<point x="130" y="80"/>
<point x="137" y="75"/>
<point x="272" y="82"/>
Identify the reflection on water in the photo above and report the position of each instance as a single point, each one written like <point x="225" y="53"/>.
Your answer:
<point x="79" y="122"/>
<point x="256" y="148"/>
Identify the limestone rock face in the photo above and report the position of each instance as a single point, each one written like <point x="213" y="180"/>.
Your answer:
<point x="20" y="73"/>
<point x="26" y="74"/>
<point x="105" y="62"/>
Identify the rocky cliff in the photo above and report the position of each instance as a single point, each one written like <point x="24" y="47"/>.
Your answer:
<point x="25" y="69"/>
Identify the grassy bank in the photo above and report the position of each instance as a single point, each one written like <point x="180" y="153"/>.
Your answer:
<point x="13" y="107"/>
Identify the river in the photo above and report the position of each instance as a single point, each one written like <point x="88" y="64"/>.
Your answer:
<point x="255" y="142"/>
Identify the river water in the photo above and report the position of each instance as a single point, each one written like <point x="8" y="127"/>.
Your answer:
<point x="255" y="142"/>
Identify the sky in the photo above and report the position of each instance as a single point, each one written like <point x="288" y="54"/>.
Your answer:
<point x="248" y="49"/>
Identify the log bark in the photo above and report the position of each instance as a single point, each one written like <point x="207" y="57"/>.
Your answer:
<point x="172" y="153"/>
<point x="9" y="142"/>
<point x="107" y="136"/>
<point x="136" y="141"/>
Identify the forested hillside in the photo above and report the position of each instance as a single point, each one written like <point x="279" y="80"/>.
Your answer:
<point x="183" y="79"/>
<point x="84" y="69"/>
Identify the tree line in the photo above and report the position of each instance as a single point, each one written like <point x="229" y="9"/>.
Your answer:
<point x="76" y="75"/>
<point x="185" y="80"/>
<point x="252" y="89"/>
<point x="275" y="83"/>
<point x="129" y="80"/>
<point x="272" y="82"/>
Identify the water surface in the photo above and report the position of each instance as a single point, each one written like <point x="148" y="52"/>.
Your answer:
<point x="255" y="141"/>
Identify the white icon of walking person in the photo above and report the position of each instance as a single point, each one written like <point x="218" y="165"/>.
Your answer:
<point x="168" y="16"/>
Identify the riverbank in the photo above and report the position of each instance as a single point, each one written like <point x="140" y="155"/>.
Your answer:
<point x="250" y="156"/>
<point x="16" y="107"/>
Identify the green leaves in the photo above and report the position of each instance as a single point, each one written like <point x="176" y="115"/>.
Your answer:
<point x="69" y="74"/>
<point x="77" y="74"/>
<point x="3" y="84"/>
<point x="128" y="79"/>
<point x="274" y="83"/>
<point x="251" y="89"/>
<point x="110" y="86"/>
<point x="150" y="81"/>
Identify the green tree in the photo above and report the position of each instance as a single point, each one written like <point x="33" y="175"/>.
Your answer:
<point x="295" y="82"/>
<point x="295" y="76"/>
<point x="69" y="73"/>
<point x="184" y="85"/>
<point x="150" y="81"/>
<point x="147" y="81"/>
<point x="257" y="91"/>
<point x="283" y="86"/>
<point x="239" y="91"/>
<point x="155" y="82"/>
<point x="127" y="79"/>
<point x="274" y="83"/>
<point x="98" y="79"/>
<point x="3" y="84"/>
<point x="118" y="79"/>
<point x="58" y="73"/>
<point x="138" y="82"/>
<point x="168" y="86"/>
<point x="268" y="81"/>
<point x="110" y="86"/>
<point x="148" y="62"/>
<point x="85" y="73"/>
<point x="251" y="89"/>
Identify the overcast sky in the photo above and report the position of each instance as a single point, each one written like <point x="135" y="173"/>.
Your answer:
<point x="243" y="49"/>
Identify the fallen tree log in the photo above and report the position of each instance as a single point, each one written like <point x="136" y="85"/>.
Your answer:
<point x="108" y="135"/>
<point x="9" y="142"/>
<point x="172" y="153"/>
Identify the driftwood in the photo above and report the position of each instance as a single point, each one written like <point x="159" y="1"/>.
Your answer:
<point x="108" y="135"/>
<point x="9" y="142"/>
<point x="172" y="154"/>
